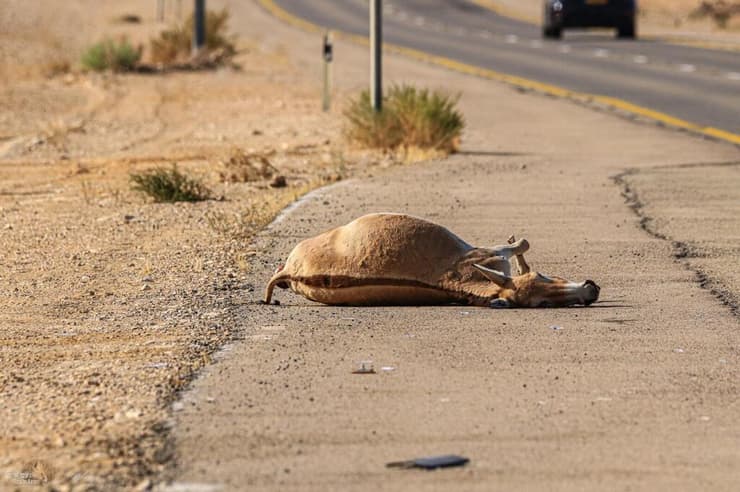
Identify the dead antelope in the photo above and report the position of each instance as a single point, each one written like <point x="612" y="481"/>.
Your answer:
<point x="395" y="259"/>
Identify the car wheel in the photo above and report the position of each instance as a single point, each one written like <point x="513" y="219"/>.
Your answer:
<point x="626" y="30"/>
<point x="552" y="32"/>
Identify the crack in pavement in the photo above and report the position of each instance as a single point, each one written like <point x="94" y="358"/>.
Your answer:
<point x="682" y="250"/>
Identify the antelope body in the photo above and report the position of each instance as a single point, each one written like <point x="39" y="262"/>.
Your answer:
<point x="396" y="259"/>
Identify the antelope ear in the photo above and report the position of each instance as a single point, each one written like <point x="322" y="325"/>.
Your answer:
<point x="494" y="275"/>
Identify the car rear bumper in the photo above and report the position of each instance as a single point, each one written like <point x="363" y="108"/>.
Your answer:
<point x="590" y="15"/>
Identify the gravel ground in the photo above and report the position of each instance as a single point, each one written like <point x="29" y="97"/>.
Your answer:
<point x="110" y="303"/>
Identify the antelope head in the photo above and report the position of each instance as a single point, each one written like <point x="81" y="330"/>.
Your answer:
<point x="533" y="289"/>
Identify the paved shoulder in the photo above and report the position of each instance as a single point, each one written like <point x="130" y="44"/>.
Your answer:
<point x="635" y="392"/>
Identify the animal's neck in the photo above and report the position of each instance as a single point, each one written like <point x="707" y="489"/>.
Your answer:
<point x="470" y="285"/>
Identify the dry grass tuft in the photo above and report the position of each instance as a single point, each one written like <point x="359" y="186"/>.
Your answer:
<point x="169" y="185"/>
<point x="118" y="56"/>
<point x="410" y="118"/>
<point x="174" y="45"/>
<point x="720" y="11"/>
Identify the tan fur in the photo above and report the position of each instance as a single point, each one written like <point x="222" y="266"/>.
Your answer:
<point x="395" y="259"/>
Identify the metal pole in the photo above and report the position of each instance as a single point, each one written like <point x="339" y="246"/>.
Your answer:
<point x="199" y="26"/>
<point x="328" y="56"/>
<point x="376" y="53"/>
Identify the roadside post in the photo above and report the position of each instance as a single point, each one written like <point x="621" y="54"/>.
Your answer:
<point x="376" y="54"/>
<point x="199" y="26"/>
<point x="328" y="53"/>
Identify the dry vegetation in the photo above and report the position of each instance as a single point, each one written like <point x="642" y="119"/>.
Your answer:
<point x="109" y="301"/>
<point x="410" y="118"/>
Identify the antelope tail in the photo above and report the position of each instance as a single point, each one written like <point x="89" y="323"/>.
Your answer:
<point x="276" y="279"/>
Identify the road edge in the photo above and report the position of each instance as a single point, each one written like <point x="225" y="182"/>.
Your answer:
<point x="591" y="100"/>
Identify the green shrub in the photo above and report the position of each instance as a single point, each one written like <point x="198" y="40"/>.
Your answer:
<point x="410" y="117"/>
<point x="119" y="56"/>
<point x="175" y="44"/>
<point x="169" y="185"/>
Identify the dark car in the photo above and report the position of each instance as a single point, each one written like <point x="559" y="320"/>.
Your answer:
<point x="563" y="14"/>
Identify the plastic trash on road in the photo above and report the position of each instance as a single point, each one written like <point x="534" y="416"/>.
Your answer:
<point x="431" y="462"/>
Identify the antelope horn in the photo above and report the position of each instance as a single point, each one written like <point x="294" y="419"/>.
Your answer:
<point x="494" y="275"/>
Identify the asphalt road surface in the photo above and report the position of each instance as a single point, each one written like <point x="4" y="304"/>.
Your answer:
<point x="637" y="392"/>
<point x="697" y="85"/>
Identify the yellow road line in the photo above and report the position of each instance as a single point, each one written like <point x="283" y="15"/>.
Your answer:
<point x="513" y="80"/>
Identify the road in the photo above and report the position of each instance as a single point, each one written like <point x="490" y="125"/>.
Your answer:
<point x="638" y="392"/>
<point x="696" y="85"/>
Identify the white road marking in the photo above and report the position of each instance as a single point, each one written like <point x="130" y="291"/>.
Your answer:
<point x="512" y="39"/>
<point x="733" y="75"/>
<point x="641" y="59"/>
<point x="601" y="53"/>
<point x="686" y="67"/>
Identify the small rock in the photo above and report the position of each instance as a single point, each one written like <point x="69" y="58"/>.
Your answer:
<point x="278" y="181"/>
<point x="146" y="287"/>
<point x="148" y="278"/>
<point x="143" y="486"/>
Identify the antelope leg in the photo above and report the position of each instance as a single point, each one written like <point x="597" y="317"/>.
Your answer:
<point x="521" y="263"/>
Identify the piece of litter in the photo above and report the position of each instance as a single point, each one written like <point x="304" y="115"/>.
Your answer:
<point x="556" y="327"/>
<point x="705" y="418"/>
<point x="465" y="313"/>
<point x="431" y="462"/>
<point x="387" y="368"/>
<point x="364" y="367"/>
<point x="678" y="350"/>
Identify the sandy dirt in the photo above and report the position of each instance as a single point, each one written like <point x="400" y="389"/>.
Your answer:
<point x="109" y="303"/>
